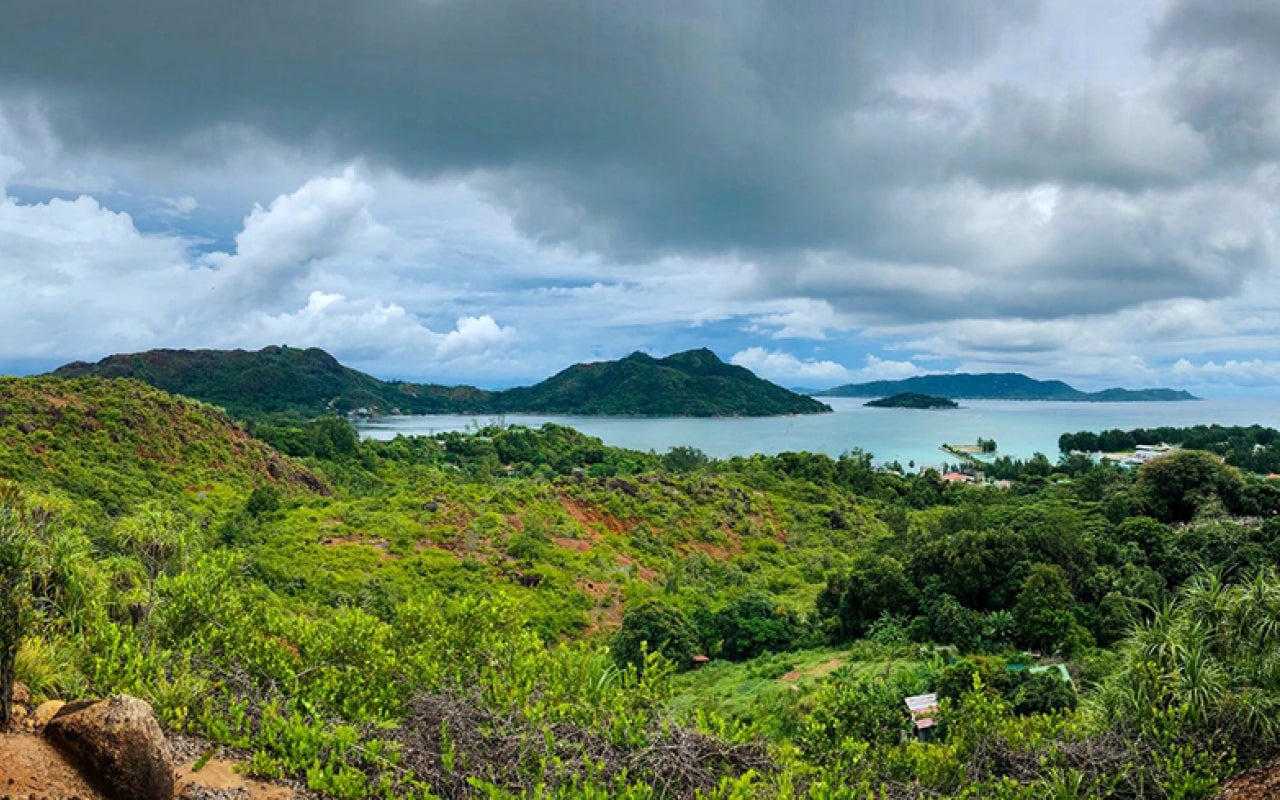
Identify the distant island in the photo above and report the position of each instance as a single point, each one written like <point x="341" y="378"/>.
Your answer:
<point x="999" y="386"/>
<point x="304" y="383"/>
<point x="912" y="400"/>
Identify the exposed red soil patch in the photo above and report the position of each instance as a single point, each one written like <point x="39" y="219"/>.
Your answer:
<point x="595" y="520"/>
<point x="55" y="401"/>
<point x="720" y="552"/>
<point x="714" y="550"/>
<point x="596" y="589"/>
<point x="646" y="574"/>
<point x="603" y="620"/>
<point x="580" y="545"/>
<point x="607" y="615"/>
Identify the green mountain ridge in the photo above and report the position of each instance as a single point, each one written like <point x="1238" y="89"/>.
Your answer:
<point x="1000" y="386"/>
<point x="695" y="383"/>
<point x="285" y="381"/>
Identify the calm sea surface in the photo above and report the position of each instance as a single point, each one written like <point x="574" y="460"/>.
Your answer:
<point x="1019" y="428"/>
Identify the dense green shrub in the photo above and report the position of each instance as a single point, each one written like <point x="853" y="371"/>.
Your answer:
<point x="653" y="626"/>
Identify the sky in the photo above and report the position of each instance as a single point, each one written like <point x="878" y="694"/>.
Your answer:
<point x="486" y="191"/>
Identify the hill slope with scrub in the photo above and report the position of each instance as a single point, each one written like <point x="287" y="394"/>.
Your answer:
<point x="515" y="613"/>
<point x="119" y="442"/>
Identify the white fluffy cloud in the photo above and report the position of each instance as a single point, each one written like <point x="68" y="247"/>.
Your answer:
<point x="820" y="373"/>
<point x="880" y="369"/>
<point x="1254" y="372"/>
<point x="474" y="336"/>
<point x="785" y="368"/>
<point x="80" y="280"/>
<point x="327" y="218"/>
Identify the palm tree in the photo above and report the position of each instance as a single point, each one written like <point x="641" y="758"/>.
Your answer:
<point x="23" y="560"/>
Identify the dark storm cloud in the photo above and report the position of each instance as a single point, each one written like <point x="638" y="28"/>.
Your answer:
<point x="1224" y="57"/>
<point x="1083" y="137"/>
<point x="784" y="134"/>
<point x="644" y="127"/>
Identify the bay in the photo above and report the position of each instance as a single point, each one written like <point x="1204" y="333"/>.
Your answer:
<point x="1020" y="428"/>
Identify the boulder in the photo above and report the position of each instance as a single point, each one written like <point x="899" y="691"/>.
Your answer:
<point x="116" y="743"/>
<point x="47" y="710"/>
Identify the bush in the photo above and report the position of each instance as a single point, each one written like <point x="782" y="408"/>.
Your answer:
<point x="656" y="627"/>
<point x="1043" y="693"/>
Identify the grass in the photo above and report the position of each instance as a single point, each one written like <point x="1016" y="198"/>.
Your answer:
<point x="758" y="691"/>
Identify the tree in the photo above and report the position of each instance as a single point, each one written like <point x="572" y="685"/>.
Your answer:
<point x="1175" y="486"/>
<point x="21" y="564"/>
<point x="262" y="500"/>
<point x="161" y="540"/>
<point x="1044" y="607"/>
<point x="945" y="621"/>
<point x="655" y="626"/>
<point x="332" y="437"/>
<point x="684" y="459"/>
<point x="752" y="624"/>
<point x="876" y="585"/>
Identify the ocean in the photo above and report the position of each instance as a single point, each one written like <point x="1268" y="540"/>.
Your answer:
<point x="1020" y="428"/>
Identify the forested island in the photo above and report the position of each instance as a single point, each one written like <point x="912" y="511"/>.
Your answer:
<point x="287" y="382"/>
<point x="999" y="386"/>
<point x="912" y="400"/>
<point x="510" y="612"/>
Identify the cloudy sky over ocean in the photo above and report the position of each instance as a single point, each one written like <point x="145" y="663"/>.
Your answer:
<point x="486" y="191"/>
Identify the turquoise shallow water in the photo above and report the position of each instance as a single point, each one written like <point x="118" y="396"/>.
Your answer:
<point x="1020" y="428"/>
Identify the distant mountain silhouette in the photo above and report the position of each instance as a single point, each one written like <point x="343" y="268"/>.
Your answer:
<point x="998" y="386"/>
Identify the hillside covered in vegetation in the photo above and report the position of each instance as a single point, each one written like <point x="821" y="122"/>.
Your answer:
<point x="999" y="386"/>
<point x="284" y="382"/>
<point x="911" y="400"/>
<point x="695" y="383"/>
<point x="278" y="381"/>
<point x="516" y="613"/>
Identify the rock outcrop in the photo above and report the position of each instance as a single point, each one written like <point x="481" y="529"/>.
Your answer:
<point x="47" y="711"/>
<point x="119" y="743"/>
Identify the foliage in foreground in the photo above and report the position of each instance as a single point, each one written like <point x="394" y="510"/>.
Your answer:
<point x="441" y="617"/>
